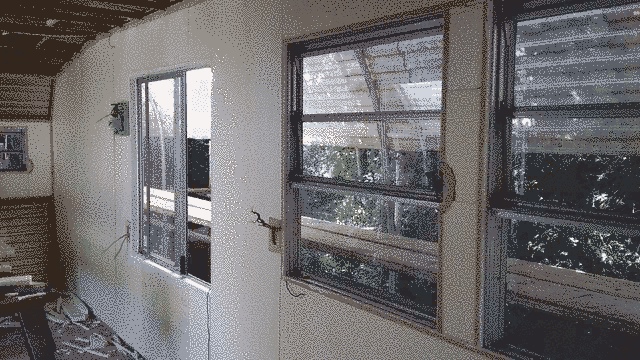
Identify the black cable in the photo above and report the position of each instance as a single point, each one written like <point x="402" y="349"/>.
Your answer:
<point x="208" y="328"/>
<point x="292" y="294"/>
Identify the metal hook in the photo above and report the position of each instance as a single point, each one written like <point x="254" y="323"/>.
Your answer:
<point x="272" y="228"/>
<point x="259" y="220"/>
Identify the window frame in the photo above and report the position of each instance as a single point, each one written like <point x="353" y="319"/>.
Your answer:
<point x="294" y="181"/>
<point x="140" y="111"/>
<point x="503" y="206"/>
<point x="21" y="133"/>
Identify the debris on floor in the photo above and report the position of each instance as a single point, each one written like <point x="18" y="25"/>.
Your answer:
<point x="78" y="333"/>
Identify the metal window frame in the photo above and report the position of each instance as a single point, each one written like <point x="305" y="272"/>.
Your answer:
<point x="295" y="181"/>
<point x="26" y="161"/>
<point x="180" y="159"/>
<point x="502" y="207"/>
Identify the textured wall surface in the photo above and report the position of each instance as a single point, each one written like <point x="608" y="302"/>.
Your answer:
<point x="161" y="315"/>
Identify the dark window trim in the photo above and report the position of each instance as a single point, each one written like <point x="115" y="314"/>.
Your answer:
<point x="383" y="32"/>
<point x="181" y="195"/>
<point x="502" y="208"/>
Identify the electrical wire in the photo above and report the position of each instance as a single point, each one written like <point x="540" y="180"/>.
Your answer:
<point x="291" y="293"/>
<point x="208" y="327"/>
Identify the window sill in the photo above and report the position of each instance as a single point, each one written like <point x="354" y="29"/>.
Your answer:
<point x="189" y="280"/>
<point x="558" y="290"/>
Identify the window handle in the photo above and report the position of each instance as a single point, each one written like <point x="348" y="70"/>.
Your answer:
<point x="449" y="186"/>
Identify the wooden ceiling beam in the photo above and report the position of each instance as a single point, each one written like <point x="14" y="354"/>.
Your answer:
<point x="46" y="13"/>
<point x="61" y="26"/>
<point x="33" y="47"/>
<point x="141" y="4"/>
<point x="36" y="29"/>
<point x="103" y="7"/>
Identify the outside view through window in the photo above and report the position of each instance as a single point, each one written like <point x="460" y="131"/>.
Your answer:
<point x="572" y="288"/>
<point x="164" y="184"/>
<point x="383" y="248"/>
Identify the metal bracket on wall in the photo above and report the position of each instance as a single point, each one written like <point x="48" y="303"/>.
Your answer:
<point x="274" y="226"/>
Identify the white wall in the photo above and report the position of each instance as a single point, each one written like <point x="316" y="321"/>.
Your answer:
<point x="38" y="181"/>
<point x="163" y="316"/>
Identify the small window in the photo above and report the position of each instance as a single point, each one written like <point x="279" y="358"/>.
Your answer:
<point x="563" y="264"/>
<point x="363" y="166"/>
<point x="174" y="138"/>
<point x="13" y="149"/>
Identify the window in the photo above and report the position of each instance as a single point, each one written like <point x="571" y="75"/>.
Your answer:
<point x="363" y="183"/>
<point x="563" y="255"/>
<point x="13" y="149"/>
<point x="175" y="204"/>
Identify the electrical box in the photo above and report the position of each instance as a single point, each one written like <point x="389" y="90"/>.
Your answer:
<point x="120" y="118"/>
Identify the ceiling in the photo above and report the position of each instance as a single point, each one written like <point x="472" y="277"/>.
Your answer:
<point x="38" y="37"/>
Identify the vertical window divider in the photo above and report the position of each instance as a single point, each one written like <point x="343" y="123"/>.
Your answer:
<point x="180" y="170"/>
<point x="145" y="189"/>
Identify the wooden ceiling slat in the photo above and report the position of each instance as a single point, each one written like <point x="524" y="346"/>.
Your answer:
<point x="38" y="105"/>
<point x="46" y="11"/>
<point x="34" y="47"/>
<point x="32" y="26"/>
<point x="63" y="29"/>
<point x="24" y="96"/>
<point x="104" y="7"/>
<point x="40" y="90"/>
<point x="23" y="116"/>
<point x="34" y="81"/>
<point x="142" y="4"/>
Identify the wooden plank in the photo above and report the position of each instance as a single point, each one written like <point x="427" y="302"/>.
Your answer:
<point x="24" y="229"/>
<point x="38" y="24"/>
<point x="24" y="96"/>
<point x="38" y="105"/>
<point x="103" y="7"/>
<point x="8" y="79"/>
<point x="573" y="302"/>
<point x="32" y="28"/>
<point x="618" y="288"/>
<point x="22" y="212"/>
<point x="421" y="260"/>
<point x="54" y="11"/>
<point x="24" y="221"/>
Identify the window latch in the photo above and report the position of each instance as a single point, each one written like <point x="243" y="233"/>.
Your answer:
<point x="263" y="223"/>
<point x="449" y="186"/>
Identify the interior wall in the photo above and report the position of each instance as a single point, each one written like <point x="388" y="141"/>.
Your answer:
<point x="38" y="182"/>
<point x="160" y="314"/>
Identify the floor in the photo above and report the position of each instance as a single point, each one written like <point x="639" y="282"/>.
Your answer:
<point x="77" y="333"/>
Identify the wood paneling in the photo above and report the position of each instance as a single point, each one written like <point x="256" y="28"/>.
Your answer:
<point x="28" y="226"/>
<point x="25" y="97"/>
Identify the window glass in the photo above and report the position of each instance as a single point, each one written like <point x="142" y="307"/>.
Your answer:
<point x="360" y="151"/>
<point x="402" y="75"/>
<point x="199" y="84"/>
<point x="588" y="163"/>
<point x="582" y="58"/>
<point x="159" y="180"/>
<point x="397" y="286"/>
<point x="572" y="292"/>
<point x="165" y="184"/>
<point x="370" y="145"/>
<point x="571" y="276"/>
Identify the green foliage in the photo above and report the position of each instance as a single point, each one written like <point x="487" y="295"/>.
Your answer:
<point x="581" y="249"/>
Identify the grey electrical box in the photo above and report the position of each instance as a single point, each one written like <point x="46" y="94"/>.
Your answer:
<point x="120" y="118"/>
